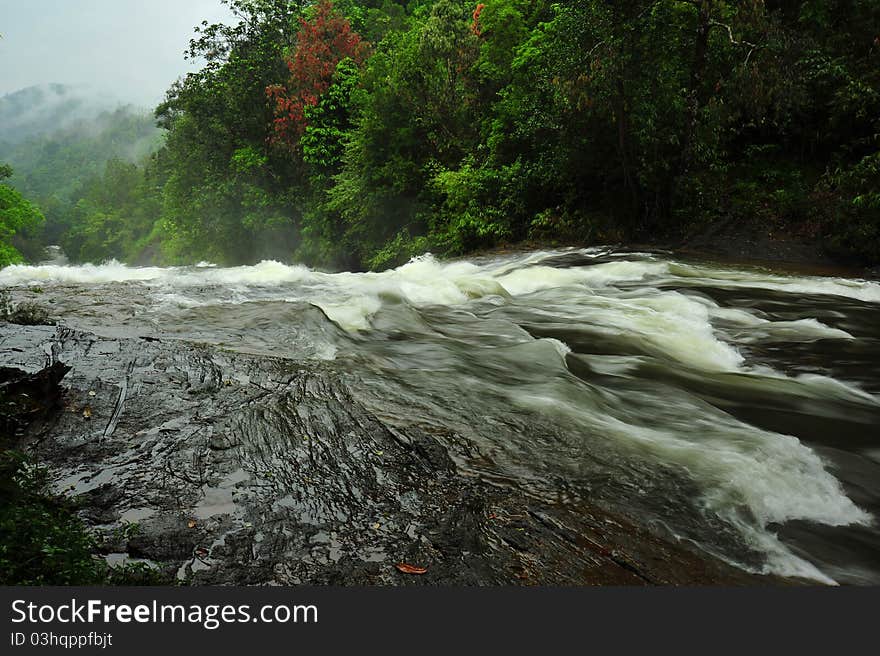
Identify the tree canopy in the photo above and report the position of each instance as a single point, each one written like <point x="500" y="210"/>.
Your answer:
<point x="360" y="133"/>
<point x="19" y="218"/>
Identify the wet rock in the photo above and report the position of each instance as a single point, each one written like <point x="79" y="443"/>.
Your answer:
<point x="166" y="539"/>
<point x="28" y="397"/>
<point x="101" y="505"/>
<point x="253" y="470"/>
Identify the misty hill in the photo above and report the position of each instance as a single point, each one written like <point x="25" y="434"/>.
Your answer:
<point x="47" y="108"/>
<point x="55" y="137"/>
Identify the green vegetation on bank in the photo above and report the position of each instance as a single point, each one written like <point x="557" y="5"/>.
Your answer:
<point x="20" y="221"/>
<point x="361" y="132"/>
<point x="43" y="540"/>
<point x="80" y="166"/>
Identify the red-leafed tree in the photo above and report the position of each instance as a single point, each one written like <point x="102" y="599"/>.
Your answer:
<point x="322" y="42"/>
<point x="475" y="26"/>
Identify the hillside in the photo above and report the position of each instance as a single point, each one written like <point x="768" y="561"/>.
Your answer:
<point x="55" y="137"/>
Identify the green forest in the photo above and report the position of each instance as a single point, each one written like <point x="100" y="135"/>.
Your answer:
<point x="359" y="133"/>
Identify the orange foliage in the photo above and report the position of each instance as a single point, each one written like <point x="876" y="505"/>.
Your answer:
<point x="321" y="44"/>
<point x="475" y="26"/>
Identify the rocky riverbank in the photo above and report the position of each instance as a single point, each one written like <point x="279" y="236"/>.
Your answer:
<point x="223" y="468"/>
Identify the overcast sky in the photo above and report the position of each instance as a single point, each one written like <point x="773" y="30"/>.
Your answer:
<point x="132" y="49"/>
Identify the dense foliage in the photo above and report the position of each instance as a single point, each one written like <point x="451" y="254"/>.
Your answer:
<point x="358" y="133"/>
<point x="44" y="542"/>
<point x="60" y="163"/>
<point x="19" y="219"/>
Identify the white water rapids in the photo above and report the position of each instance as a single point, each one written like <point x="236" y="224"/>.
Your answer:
<point x="719" y="404"/>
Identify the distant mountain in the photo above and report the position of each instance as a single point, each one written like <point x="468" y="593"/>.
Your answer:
<point x="45" y="109"/>
<point x="55" y="137"/>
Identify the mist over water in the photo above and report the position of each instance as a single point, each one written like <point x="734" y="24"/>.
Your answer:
<point x="736" y="408"/>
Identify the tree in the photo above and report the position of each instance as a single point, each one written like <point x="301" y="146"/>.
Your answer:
<point x="321" y="43"/>
<point x="18" y="216"/>
<point x="467" y="124"/>
<point x="227" y="195"/>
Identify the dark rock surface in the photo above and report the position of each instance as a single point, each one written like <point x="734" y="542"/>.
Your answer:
<point x="223" y="468"/>
<point x="27" y="397"/>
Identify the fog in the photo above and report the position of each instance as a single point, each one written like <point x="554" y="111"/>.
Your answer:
<point x="131" y="50"/>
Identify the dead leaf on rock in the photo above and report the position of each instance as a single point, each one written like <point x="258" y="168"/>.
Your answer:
<point x="411" y="569"/>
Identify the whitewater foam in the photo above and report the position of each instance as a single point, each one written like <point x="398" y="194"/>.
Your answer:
<point x="751" y="478"/>
<point x="85" y="274"/>
<point x="860" y="290"/>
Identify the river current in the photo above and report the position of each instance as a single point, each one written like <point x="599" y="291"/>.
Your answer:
<point x="737" y="408"/>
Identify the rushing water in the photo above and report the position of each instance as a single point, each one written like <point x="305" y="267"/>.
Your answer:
<point x="736" y="408"/>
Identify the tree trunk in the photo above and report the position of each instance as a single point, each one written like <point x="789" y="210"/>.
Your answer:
<point x="698" y="71"/>
<point x="622" y="118"/>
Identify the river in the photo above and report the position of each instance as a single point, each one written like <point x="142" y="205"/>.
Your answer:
<point x="733" y="407"/>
